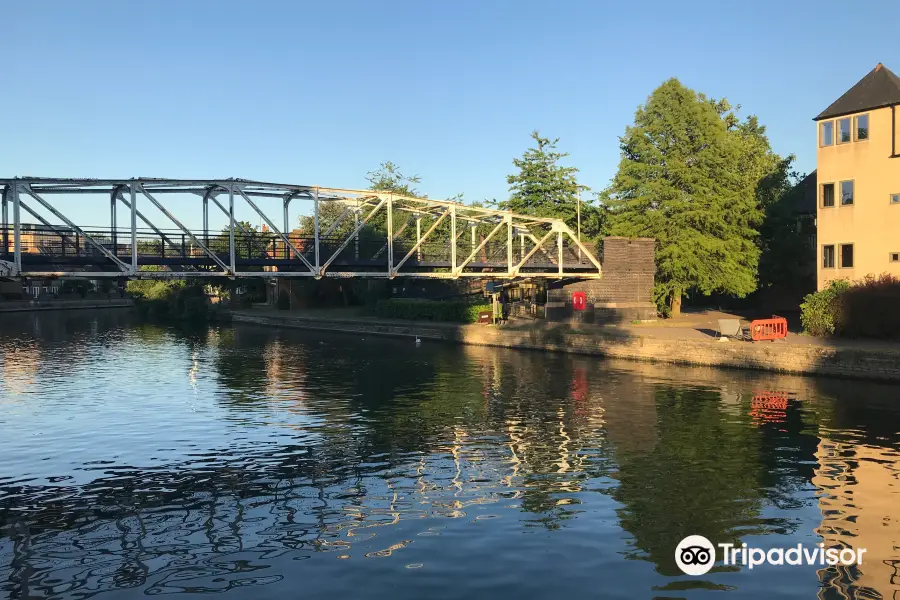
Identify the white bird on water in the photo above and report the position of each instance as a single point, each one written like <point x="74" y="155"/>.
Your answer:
<point x="418" y="341"/>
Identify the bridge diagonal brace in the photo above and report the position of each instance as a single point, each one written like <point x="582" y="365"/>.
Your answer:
<point x="537" y="245"/>
<point x="421" y="241"/>
<point x="396" y="235"/>
<point x="186" y="231"/>
<point x="46" y="223"/>
<point x="333" y="226"/>
<point x="115" y="259"/>
<point x="358" y="228"/>
<point x="226" y="213"/>
<point x="584" y="250"/>
<point x="149" y="223"/>
<point x="483" y="243"/>
<point x="534" y="239"/>
<point x="276" y="231"/>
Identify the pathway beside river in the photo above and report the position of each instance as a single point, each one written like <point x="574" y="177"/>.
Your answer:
<point x="694" y="345"/>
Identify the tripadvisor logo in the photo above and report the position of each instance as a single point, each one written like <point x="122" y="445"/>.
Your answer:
<point x="695" y="555"/>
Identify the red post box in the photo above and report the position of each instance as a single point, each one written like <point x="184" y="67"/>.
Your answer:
<point x="579" y="300"/>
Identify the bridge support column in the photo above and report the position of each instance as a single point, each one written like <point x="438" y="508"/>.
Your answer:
<point x="113" y="198"/>
<point x="206" y="219"/>
<point x="419" y="237"/>
<point x="522" y="244"/>
<point x="509" y="245"/>
<point x="4" y="209"/>
<point x="231" y="254"/>
<point x="559" y="246"/>
<point x="452" y="239"/>
<point x="390" y="235"/>
<point x="356" y="229"/>
<point x="316" y="225"/>
<point x="134" y="248"/>
<point x="287" y="226"/>
<point x="17" y="229"/>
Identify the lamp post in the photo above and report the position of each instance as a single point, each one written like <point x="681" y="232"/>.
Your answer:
<point x="578" y="212"/>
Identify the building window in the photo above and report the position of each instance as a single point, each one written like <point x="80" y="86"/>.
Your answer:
<point x="895" y="198"/>
<point x="828" y="257"/>
<point x="846" y="193"/>
<point x="862" y="127"/>
<point x="895" y="256"/>
<point x="844" y="130"/>
<point x="827" y="195"/>
<point x="846" y="256"/>
<point x="827" y="133"/>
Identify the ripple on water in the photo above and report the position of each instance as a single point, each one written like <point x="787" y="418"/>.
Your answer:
<point x="153" y="460"/>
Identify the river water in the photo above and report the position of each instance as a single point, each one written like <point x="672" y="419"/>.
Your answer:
<point x="256" y="463"/>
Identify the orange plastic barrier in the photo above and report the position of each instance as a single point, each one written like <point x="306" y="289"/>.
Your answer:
<point x="768" y="329"/>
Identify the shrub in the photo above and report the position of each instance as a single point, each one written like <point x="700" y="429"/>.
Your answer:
<point x="169" y="299"/>
<point x="868" y="308"/>
<point x="818" y="309"/>
<point x="429" y="310"/>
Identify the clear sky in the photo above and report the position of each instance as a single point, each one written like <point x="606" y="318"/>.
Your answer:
<point x="321" y="92"/>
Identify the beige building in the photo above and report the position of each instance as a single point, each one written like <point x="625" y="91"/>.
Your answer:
<point x="858" y="214"/>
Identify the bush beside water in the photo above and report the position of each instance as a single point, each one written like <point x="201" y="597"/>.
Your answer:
<point x="866" y="308"/>
<point x="429" y="310"/>
<point x="167" y="299"/>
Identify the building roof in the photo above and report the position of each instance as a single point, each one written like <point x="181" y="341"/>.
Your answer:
<point x="879" y="88"/>
<point x="805" y="200"/>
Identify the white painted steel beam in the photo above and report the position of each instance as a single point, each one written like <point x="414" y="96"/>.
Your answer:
<point x="354" y="200"/>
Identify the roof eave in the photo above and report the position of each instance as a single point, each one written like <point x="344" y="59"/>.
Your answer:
<point x="823" y="116"/>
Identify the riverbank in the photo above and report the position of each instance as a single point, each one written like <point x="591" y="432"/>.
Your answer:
<point x="797" y="355"/>
<point x="31" y="306"/>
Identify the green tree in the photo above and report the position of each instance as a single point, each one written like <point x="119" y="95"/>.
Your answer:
<point x="388" y="178"/>
<point x="544" y="188"/>
<point x="330" y="213"/>
<point x="692" y="176"/>
<point x="788" y="233"/>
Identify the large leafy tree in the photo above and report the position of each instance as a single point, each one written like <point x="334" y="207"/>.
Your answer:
<point x="693" y="175"/>
<point x="544" y="188"/>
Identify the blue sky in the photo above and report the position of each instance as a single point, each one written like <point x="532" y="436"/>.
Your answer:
<point x="320" y="93"/>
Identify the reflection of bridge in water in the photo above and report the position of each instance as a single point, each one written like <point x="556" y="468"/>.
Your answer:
<point x="351" y="233"/>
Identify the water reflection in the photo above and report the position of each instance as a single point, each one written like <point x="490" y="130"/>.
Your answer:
<point x="150" y="460"/>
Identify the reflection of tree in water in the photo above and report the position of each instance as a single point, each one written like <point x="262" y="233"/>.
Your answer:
<point x="425" y="437"/>
<point x="414" y="400"/>
<point x="701" y="478"/>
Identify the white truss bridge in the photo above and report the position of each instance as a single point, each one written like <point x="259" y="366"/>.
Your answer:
<point x="350" y="233"/>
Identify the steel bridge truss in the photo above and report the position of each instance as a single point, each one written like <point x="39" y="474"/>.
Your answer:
<point x="353" y="233"/>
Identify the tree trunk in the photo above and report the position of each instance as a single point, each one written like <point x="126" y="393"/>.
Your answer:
<point x="675" y="305"/>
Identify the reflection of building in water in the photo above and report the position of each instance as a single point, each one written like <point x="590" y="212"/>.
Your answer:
<point x="285" y="377"/>
<point x="20" y="367"/>
<point x="860" y="505"/>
